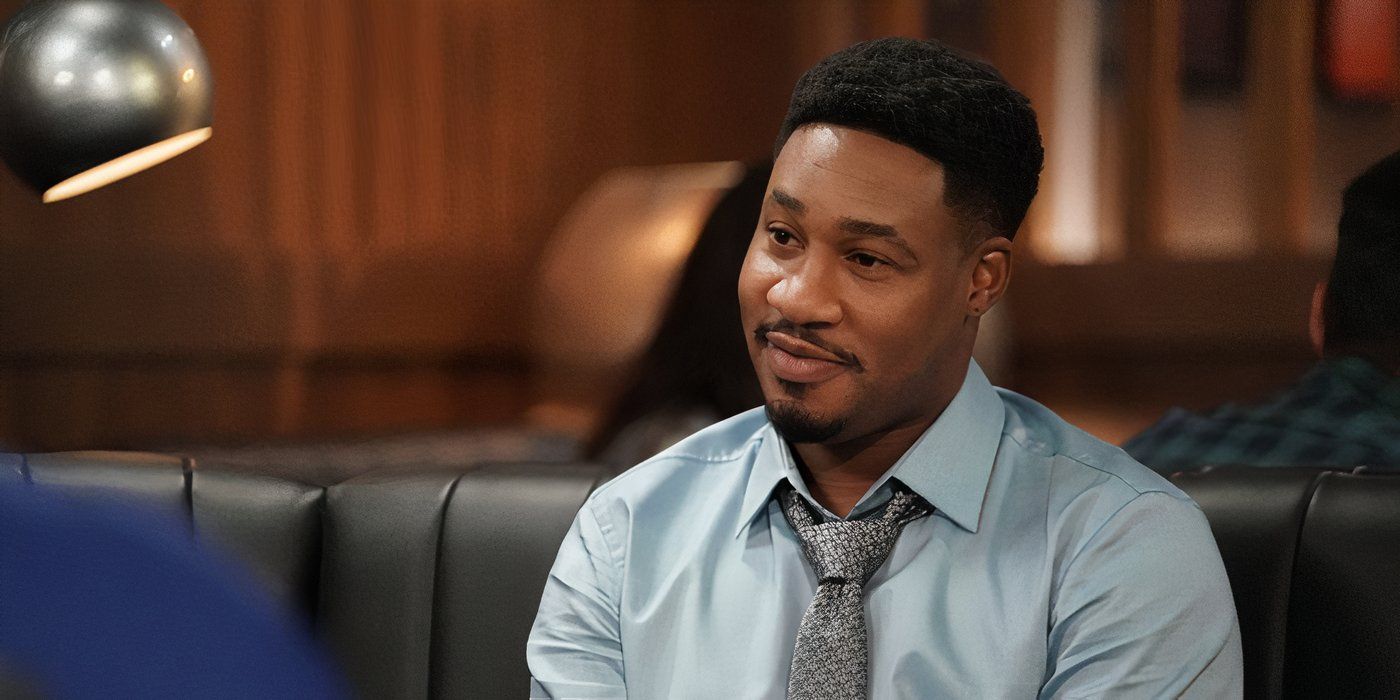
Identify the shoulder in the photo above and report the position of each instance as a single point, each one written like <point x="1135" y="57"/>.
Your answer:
<point x="1078" y="461"/>
<point x="1093" y="488"/>
<point x="709" y="462"/>
<point x="1110" y="520"/>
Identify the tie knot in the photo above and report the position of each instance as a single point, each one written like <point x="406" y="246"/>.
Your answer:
<point x="849" y="551"/>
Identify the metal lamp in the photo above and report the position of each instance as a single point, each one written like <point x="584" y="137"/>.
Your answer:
<point x="92" y="91"/>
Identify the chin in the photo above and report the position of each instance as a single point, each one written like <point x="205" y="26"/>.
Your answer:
<point x="798" y="424"/>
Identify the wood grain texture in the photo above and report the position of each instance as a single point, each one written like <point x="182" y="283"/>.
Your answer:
<point x="355" y="250"/>
<point x="382" y="180"/>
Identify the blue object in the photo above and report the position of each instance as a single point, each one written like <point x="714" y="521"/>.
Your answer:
<point x="100" y="599"/>
<point x="1053" y="565"/>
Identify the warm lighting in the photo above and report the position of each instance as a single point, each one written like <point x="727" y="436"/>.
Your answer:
<point x="1071" y="233"/>
<point x="129" y="164"/>
<point x="94" y="90"/>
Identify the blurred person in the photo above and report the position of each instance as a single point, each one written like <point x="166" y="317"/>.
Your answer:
<point x="696" y="370"/>
<point x="888" y="524"/>
<point x="1345" y="411"/>
<point x="102" y="600"/>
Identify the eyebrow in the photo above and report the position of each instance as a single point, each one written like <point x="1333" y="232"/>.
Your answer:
<point x="870" y="229"/>
<point x="787" y="201"/>
<point x="855" y="227"/>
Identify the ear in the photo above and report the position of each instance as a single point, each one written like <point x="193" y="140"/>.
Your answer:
<point x="991" y="272"/>
<point x="1317" y="322"/>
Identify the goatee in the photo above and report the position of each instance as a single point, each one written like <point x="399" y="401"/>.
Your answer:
<point x="798" y="425"/>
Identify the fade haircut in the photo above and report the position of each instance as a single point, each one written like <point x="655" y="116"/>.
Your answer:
<point x="956" y="111"/>
<point x="1361" y="309"/>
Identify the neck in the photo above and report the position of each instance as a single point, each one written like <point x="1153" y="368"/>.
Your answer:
<point x="838" y="475"/>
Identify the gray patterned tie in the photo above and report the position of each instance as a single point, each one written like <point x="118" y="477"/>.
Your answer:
<point x="829" y="660"/>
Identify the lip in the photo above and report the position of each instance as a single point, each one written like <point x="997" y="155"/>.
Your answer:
<point x="798" y="369"/>
<point x="798" y="347"/>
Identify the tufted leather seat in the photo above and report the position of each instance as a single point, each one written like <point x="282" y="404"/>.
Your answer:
<point x="421" y="584"/>
<point x="1313" y="556"/>
<point x="425" y="584"/>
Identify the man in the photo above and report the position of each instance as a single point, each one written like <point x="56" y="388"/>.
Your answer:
<point x="1346" y="410"/>
<point x="889" y="525"/>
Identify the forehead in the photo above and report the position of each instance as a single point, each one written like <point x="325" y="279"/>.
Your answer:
<point x="842" y="172"/>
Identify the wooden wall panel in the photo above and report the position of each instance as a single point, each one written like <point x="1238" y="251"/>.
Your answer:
<point x="1282" y="122"/>
<point x="1152" y="112"/>
<point x="354" y="247"/>
<point x="353" y="251"/>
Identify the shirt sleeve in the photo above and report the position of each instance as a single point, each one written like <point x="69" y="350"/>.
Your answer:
<point x="575" y="646"/>
<point x="1144" y="610"/>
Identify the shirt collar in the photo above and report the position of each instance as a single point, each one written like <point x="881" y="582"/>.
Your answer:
<point x="949" y="465"/>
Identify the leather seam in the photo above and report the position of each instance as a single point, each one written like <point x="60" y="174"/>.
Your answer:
<point x="187" y="483"/>
<point x="1309" y="499"/>
<point x="313" y="606"/>
<point x="434" y="619"/>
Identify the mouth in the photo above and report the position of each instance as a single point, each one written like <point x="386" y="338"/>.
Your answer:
<point x="798" y="361"/>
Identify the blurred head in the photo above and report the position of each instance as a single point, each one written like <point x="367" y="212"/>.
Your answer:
<point x="1361" y="304"/>
<point x="902" y="174"/>
<point x="697" y="363"/>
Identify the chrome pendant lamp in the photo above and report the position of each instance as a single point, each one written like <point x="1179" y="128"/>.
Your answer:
<point x="92" y="91"/>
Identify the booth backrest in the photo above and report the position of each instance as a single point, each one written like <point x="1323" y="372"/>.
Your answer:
<point x="423" y="585"/>
<point x="1313" y="557"/>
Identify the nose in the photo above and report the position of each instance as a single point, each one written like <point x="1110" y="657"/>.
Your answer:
<point x="807" y="294"/>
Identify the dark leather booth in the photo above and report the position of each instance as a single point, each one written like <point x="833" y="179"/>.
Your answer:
<point x="1314" y="560"/>
<point x="424" y="584"/>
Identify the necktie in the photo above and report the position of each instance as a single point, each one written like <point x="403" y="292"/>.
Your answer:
<point x="829" y="660"/>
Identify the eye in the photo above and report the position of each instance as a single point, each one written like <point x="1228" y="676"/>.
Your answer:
<point x="780" y="236"/>
<point x="866" y="260"/>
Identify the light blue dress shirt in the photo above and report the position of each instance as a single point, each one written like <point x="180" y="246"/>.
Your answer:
<point x="1053" y="566"/>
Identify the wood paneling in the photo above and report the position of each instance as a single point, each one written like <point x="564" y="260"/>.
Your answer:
<point x="382" y="179"/>
<point x="355" y="249"/>
<point x="1152" y="115"/>
<point x="1281" y="121"/>
<point x="1033" y="73"/>
<point x="1111" y="347"/>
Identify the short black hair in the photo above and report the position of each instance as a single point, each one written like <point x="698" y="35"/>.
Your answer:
<point x="957" y="111"/>
<point x="1361" y="310"/>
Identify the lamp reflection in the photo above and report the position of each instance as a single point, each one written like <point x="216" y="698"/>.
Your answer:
<point x="129" y="164"/>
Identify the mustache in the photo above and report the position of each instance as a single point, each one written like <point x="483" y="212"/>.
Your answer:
<point x="785" y="326"/>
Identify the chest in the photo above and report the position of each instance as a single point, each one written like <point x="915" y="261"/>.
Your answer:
<point x="944" y="616"/>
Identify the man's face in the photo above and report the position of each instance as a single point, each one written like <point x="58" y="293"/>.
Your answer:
<point x="858" y="296"/>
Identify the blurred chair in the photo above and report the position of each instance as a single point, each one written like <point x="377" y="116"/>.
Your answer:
<point x="427" y="582"/>
<point x="696" y="369"/>
<point x="1312" y="557"/>
<point x="103" y="598"/>
<point x="421" y="583"/>
<point x="607" y="279"/>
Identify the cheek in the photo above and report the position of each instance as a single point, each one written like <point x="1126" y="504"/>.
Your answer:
<point x="906" y="331"/>
<point x="756" y="277"/>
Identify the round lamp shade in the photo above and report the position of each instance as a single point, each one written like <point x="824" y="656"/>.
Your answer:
<point x="94" y="90"/>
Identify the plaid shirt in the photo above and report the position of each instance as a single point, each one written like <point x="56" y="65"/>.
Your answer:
<point x="1343" y="412"/>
